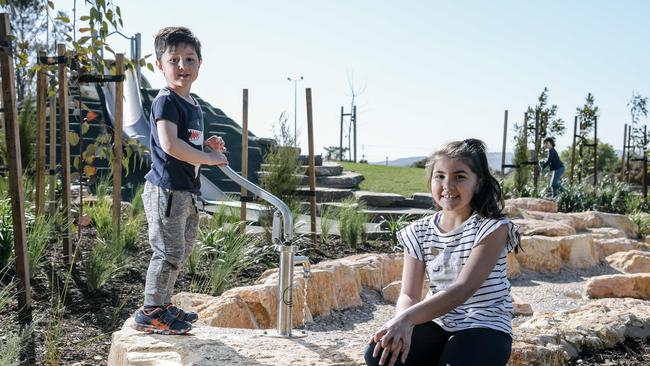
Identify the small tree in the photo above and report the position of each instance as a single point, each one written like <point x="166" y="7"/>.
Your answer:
<point x="587" y="115"/>
<point x="282" y="163"/>
<point x="522" y="171"/>
<point x="638" y="110"/>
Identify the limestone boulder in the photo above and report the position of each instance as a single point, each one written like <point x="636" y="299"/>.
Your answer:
<point x="529" y="227"/>
<point x="545" y="253"/>
<point x="540" y="253"/>
<point x="222" y="311"/>
<point x="632" y="261"/>
<point x="346" y="289"/>
<point x="345" y="180"/>
<point x="606" y="247"/>
<point x="392" y="290"/>
<point x="379" y="199"/>
<point x="514" y="270"/>
<point x="512" y="212"/>
<point x="228" y="347"/>
<point x="578" y="251"/>
<point x="605" y="233"/>
<point x="374" y="271"/>
<point x="635" y="285"/>
<point x="558" y="217"/>
<point x="551" y="339"/>
<point x="592" y="219"/>
<point x="533" y="204"/>
<point x="521" y="309"/>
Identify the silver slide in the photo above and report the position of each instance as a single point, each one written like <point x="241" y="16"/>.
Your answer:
<point x="136" y="124"/>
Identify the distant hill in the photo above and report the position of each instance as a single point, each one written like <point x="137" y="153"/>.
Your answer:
<point x="494" y="160"/>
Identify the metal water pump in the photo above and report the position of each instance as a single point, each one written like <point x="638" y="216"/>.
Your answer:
<point x="282" y="235"/>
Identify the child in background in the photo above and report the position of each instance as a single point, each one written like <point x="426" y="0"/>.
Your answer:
<point x="466" y="319"/>
<point x="554" y="163"/>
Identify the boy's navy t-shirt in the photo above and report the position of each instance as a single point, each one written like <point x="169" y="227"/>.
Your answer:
<point x="167" y="171"/>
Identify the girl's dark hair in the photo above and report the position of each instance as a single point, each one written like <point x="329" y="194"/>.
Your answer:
<point x="550" y="140"/>
<point x="171" y="37"/>
<point x="488" y="201"/>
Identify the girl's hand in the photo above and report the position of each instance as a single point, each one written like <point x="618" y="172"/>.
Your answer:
<point x="215" y="143"/>
<point x="394" y="337"/>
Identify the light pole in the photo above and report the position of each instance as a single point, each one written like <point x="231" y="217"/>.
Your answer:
<point x="295" y="109"/>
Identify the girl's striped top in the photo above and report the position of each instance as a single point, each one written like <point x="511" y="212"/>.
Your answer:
<point x="444" y="255"/>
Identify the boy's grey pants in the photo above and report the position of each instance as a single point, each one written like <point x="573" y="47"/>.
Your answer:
<point x="173" y="223"/>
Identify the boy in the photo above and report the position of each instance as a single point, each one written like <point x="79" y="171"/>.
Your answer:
<point x="172" y="184"/>
<point x="554" y="164"/>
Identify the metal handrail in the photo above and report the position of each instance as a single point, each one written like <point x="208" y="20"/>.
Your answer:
<point x="265" y="195"/>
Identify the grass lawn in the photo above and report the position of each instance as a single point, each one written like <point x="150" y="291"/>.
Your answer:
<point x="390" y="179"/>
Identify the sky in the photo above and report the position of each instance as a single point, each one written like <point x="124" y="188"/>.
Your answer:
<point x="427" y="72"/>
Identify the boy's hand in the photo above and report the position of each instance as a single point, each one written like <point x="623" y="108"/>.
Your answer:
<point x="217" y="158"/>
<point x="215" y="143"/>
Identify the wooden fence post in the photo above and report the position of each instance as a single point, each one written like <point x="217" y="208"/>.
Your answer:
<point x="117" y="145"/>
<point x="41" y="90"/>
<point x="16" y="190"/>
<point x="52" y="163"/>
<point x="244" y="161"/>
<point x="312" y="169"/>
<point x="68" y="247"/>
<point x="503" y="148"/>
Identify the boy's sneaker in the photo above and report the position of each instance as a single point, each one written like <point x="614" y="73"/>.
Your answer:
<point x="159" y="321"/>
<point x="180" y="314"/>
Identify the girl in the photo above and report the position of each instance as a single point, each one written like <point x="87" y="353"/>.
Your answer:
<point x="466" y="319"/>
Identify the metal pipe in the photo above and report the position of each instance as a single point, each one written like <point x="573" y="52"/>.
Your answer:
<point x="287" y="217"/>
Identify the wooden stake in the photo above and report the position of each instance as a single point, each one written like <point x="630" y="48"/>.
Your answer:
<point x="41" y="90"/>
<point x="573" y="147"/>
<point x="623" y="155"/>
<point x="117" y="145"/>
<point x="244" y="161"/>
<point x="52" y="164"/>
<point x="312" y="169"/>
<point x="354" y="120"/>
<point x="536" y="159"/>
<point x="68" y="247"/>
<point x="503" y="148"/>
<point x="12" y="134"/>
<point x="645" y="161"/>
<point x="341" y="138"/>
<point x="595" y="151"/>
<point x="81" y="163"/>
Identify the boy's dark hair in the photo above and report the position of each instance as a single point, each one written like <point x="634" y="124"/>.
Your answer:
<point x="488" y="200"/>
<point x="550" y="140"/>
<point x="171" y="37"/>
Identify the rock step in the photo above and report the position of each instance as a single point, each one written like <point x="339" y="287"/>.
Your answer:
<point x="328" y="168"/>
<point x="377" y="214"/>
<point x="325" y="194"/>
<point x="346" y="179"/>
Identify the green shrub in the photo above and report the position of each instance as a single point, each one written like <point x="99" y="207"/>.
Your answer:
<point x="104" y="262"/>
<point x="393" y="225"/>
<point x="194" y="260"/>
<point x="230" y="252"/>
<point x="130" y="233"/>
<point x="326" y="224"/>
<point x="282" y="164"/>
<point x="39" y="232"/>
<point x="352" y="221"/>
<point x="6" y="232"/>
<point x="642" y="220"/>
<point x="101" y="216"/>
<point x="136" y="203"/>
<point x="222" y="215"/>
<point x="609" y="195"/>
